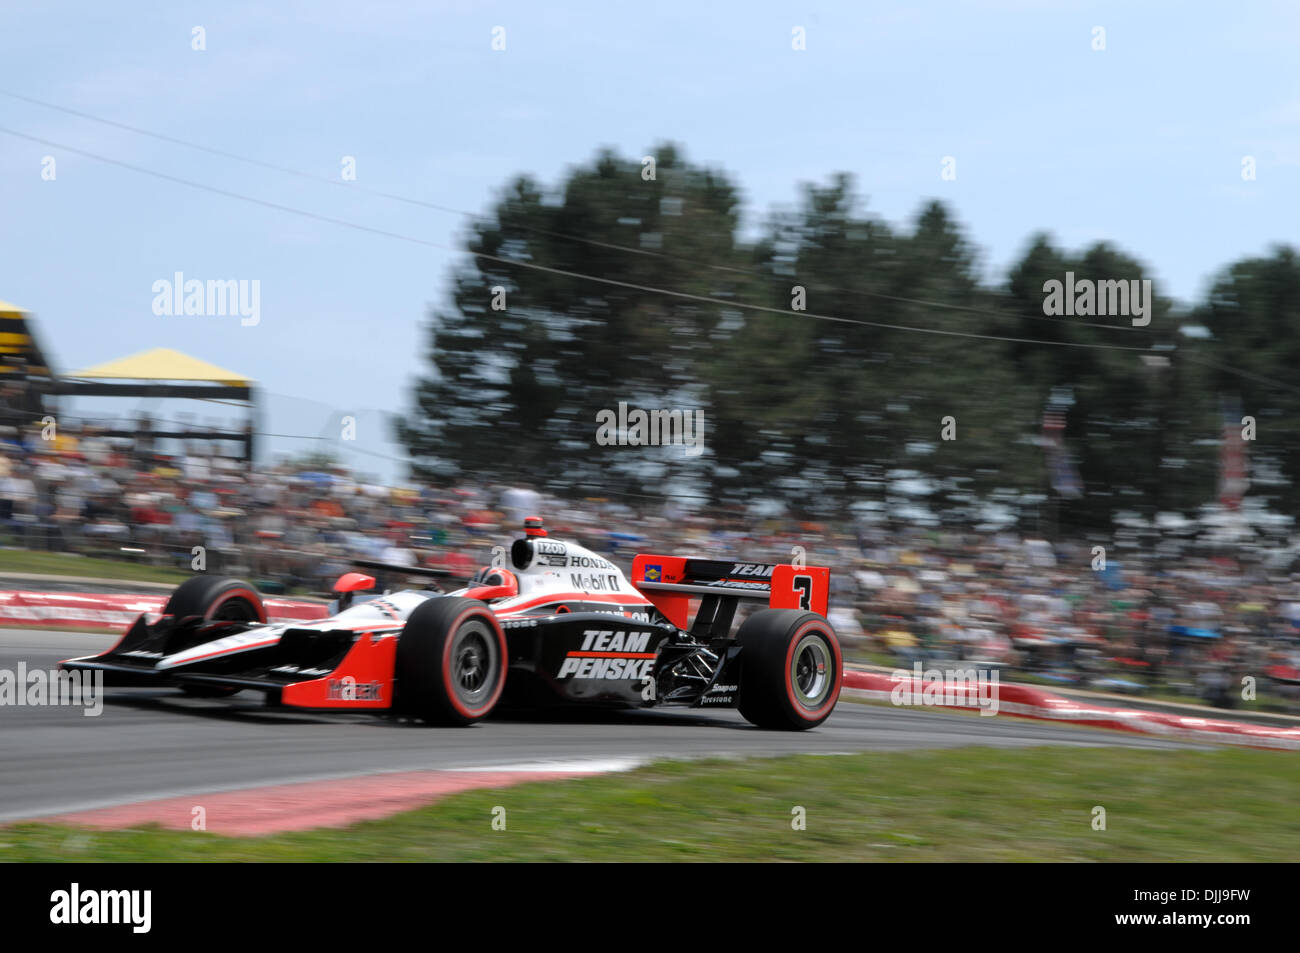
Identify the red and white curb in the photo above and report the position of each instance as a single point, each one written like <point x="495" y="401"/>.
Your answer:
<point x="1027" y="702"/>
<point x="79" y="610"/>
<point x="305" y="805"/>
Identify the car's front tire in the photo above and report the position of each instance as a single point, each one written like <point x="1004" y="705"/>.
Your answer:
<point x="791" y="669"/>
<point x="451" y="662"/>
<point x="215" y="599"/>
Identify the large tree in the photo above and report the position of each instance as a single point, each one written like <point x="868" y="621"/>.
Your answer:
<point x="1253" y="315"/>
<point x="515" y="390"/>
<point x="1133" y="413"/>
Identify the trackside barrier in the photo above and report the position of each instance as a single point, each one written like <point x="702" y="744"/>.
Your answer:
<point x="95" y="610"/>
<point x="1029" y="702"/>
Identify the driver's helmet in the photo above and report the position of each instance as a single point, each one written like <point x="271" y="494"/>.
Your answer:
<point x="494" y="578"/>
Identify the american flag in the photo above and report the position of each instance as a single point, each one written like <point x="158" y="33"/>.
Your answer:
<point x="1233" y="480"/>
<point x="1062" y="474"/>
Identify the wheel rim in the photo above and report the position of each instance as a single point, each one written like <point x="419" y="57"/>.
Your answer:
<point x="474" y="663"/>
<point x="810" y="671"/>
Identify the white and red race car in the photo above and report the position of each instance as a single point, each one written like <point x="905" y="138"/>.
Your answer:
<point x="554" y="623"/>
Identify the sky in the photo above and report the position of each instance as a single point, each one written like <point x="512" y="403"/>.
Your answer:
<point x="1140" y="143"/>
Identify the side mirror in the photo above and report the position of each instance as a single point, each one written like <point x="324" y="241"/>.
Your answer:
<point x="349" y="584"/>
<point x="354" y="582"/>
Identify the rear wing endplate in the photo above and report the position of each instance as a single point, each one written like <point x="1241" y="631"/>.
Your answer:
<point x="670" y="582"/>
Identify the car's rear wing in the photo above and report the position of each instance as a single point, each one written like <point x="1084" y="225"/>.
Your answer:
<point x="670" y="582"/>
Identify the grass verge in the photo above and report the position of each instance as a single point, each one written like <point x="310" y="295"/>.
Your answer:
<point x="70" y="564"/>
<point x="974" y="804"/>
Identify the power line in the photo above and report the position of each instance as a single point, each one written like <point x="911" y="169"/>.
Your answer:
<point x="687" y="296"/>
<point x="1240" y="373"/>
<point x="962" y="310"/>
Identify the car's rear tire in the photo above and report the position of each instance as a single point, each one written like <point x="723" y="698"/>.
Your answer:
<point x="791" y="669"/>
<point x="451" y="662"/>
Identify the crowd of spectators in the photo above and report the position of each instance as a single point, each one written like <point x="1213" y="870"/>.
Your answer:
<point x="1195" y="622"/>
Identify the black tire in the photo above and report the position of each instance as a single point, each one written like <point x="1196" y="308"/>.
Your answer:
<point x="451" y="662"/>
<point x="215" y="599"/>
<point x="791" y="669"/>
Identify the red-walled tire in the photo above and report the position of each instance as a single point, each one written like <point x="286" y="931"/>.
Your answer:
<point x="791" y="669"/>
<point x="215" y="599"/>
<point x="451" y="662"/>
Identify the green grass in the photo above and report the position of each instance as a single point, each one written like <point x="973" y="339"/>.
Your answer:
<point x="971" y="804"/>
<point x="68" y="564"/>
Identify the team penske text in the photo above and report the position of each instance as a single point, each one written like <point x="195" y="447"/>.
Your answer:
<point x="629" y="668"/>
<point x="609" y="653"/>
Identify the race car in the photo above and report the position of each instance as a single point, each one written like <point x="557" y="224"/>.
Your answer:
<point x="549" y="623"/>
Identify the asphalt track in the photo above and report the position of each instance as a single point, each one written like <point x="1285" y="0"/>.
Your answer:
<point x="152" y="744"/>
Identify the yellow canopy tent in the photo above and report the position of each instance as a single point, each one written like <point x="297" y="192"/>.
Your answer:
<point x="163" y="372"/>
<point x="162" y="364"/>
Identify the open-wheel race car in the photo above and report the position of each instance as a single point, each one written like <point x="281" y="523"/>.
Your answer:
<point x="553" y="623"/>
